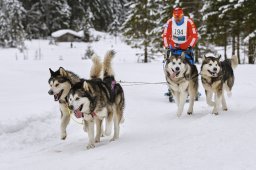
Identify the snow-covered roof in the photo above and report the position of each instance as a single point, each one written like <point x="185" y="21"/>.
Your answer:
<point x="59" y="33"/>
<point x="81" y="33"/>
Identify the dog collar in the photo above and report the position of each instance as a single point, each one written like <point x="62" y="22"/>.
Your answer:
<point x="93" y="114"/>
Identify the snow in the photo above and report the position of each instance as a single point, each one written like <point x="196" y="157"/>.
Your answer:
<point x="251" y="35"/>
<point x="152" y="136"/>
<point x="59" y="33"/>
<point x="209" y="14"/>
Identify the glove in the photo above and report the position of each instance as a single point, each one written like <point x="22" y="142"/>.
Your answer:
<point x="176" y="45"/>
<point x="171" y="48"/>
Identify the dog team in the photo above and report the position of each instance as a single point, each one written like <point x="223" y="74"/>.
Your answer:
<point x="101" y="98"/>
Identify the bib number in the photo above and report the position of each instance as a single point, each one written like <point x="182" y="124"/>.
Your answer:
<point x="178" y="32"/>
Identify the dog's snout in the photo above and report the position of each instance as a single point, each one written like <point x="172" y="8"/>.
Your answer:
<point x="177" y="68"/>
<point x="214" y="69"/>
<point x="50" y="92"/>
<point x="71" y="107"/>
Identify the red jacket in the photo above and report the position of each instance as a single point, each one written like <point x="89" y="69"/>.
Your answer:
<point x="191" y="37"/>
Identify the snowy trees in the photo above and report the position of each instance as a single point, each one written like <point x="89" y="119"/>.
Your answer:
<point x="12" y="31"/>
<point x="56" y="14"/>
<point x="141" y="25"/>
<point x="228" y="21"/>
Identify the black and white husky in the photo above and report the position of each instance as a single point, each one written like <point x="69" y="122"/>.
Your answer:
<point x="96" y="99"/>
<point x="182" y="78"/>
<point x="60" y="83"/>
<point x="218" y="76"/>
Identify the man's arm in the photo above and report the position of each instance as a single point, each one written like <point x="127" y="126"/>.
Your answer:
<point x="192" y="36"/>
<point x="167" y="35"/>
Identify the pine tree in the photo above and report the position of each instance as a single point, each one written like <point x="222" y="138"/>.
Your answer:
<point x="139" y="27"/>
<point x="79" y="16"/>
<point x="118" y="11"/>
<point x="34" y="22"/>
<point x="12" y="30"/>
<point x="4" y="33"/>
<point x="249" y="27"/>
<point x="56" y="14"/>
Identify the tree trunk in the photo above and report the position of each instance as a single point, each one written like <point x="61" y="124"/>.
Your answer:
<point x="233" y="44"/>
<point x="225" y="48"/>
<point x="238" y="48"/>
<point x="145" y="54"/>
<point x="251" y="52"/>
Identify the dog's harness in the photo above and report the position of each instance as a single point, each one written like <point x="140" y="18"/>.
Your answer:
<point x="213" y="79"/>
<point x="113" y="84"/>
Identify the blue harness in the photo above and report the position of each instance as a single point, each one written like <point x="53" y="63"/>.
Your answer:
<point x="188" y="54"/>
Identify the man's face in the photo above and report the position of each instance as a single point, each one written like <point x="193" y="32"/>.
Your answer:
<point x="177" y="18"/>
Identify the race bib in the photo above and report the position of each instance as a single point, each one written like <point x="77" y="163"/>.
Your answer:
<point x="179" y="32"/>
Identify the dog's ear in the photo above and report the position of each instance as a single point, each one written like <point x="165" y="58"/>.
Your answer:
<point x="63" y="72"/>
<point x="182" y="55"/>
<point x="52" y="72"/>
<point x="219" y="56"/>
<point x="204" y="57"/>
<point x="86" y="86"/>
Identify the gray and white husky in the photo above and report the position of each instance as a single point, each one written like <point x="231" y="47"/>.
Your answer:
<point x="96" y="99"/>
<point x="182" y="78"/>
<point x="218" y="76"/>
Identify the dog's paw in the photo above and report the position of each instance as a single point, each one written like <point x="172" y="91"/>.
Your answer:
<point x="189" y="113"/>
<point x="90" y="146"/>
<point x="97" y="140"/>
<point x="63" y="136"/>
<point x="178" y="114"/>
<point x="225" y="109"/>
<point x="215" y="113"/>
<point x="113" y="139"/>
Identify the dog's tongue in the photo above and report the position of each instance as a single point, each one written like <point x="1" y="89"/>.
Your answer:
<point x="173" y="75"/>
<point x="78" y="114"/>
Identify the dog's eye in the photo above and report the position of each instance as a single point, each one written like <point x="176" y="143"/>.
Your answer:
<point x="56" y="85"/>
<point x="77" y="98"/>
<point x="179" y="63"/>
<point x="210" y="64"/>
<point x="173" y="63"/>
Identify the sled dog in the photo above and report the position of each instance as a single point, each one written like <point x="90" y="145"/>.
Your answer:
<point x="96" y="99"/>
<point x="218" y="76"/>
<point x="60" y="82"/>
<point x="182" y="78"/>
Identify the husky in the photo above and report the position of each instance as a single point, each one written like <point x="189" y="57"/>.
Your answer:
<point x="60" y="82"/>
<point x="99" y="98"/>
<point x="218" y="76"/>
<point x="182" y="79"/>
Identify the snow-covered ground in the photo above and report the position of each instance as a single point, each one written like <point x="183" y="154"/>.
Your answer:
<point x="152" y="136"/>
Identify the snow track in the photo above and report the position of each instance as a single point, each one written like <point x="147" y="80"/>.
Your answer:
<point x="152" y="136"/>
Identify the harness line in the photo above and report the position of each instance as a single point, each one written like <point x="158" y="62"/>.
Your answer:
<point x="127" y="83"/>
